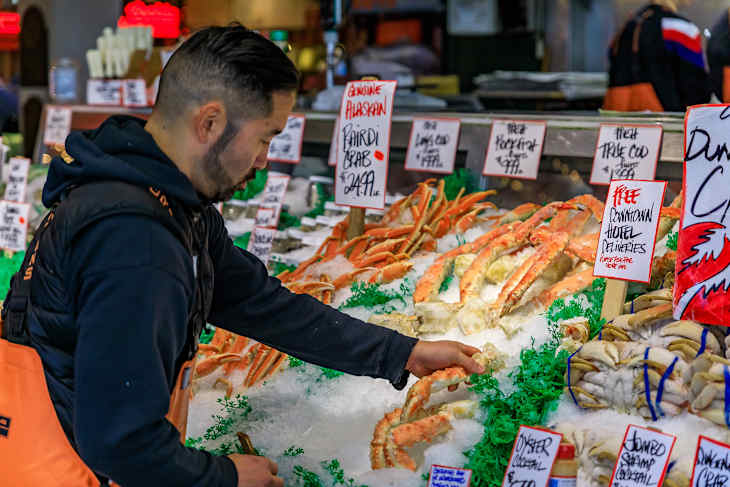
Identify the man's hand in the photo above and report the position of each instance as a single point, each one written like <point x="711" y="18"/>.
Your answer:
<point x="256" y="471"/>
<point x="428" y="357"/>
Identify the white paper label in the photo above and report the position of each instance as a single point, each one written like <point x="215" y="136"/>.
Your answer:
<point x="432" y="145"/>
<point x="626" y="152"/>
<point x="712" y="464"/>
<point x="533" y="456"/>
<point x="515" y="148"/>
<point x="58" y="125"/>
<point x="643" y="458"/>
<point x="134" y="93"/>
<point x="363" y="144"/>
<point x="332" y="161"/>
<point x="441" y="476"/>
<point x="266" y="217"/>
<point x="628" y="230"/>
<point x="13" y="225"/>
<point x="287" y="146"/>
<point x="104" y="92"/>
<point x="17" y="179"/>
<point x="260" y="243"/>
<point x="274" y="191"/>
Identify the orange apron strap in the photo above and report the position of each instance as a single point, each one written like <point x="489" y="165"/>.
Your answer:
<point x="180" y="399"/>
<point x="34" y="449"/>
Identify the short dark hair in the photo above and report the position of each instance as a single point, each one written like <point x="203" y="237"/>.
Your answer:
<point x="234" y="64"/>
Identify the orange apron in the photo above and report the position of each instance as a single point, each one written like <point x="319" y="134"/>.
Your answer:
<point x="34" y="449"/>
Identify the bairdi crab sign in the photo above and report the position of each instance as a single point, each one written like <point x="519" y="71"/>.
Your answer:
<point x="702" y="286"/>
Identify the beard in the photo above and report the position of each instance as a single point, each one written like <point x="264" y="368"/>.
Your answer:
<point x="224" y="186"/>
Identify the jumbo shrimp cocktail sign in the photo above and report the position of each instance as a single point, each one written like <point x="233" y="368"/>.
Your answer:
<point x="363" y="143"/>
<point x="628" y="230"/>
<point x="701" y="289"/>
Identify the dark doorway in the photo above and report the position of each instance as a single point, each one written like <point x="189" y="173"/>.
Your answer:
<point x="33" y="49"/>
<point x="31" y="119"/>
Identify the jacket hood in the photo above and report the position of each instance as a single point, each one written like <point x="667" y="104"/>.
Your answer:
<point x="119" y="150"/>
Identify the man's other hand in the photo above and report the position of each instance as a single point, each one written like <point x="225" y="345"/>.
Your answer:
<point x="428" y="357"/>
<point x="256" y="471"/>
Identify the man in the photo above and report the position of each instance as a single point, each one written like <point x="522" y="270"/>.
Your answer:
<point x="135" y="260"/>
<point x="656" y="62"/>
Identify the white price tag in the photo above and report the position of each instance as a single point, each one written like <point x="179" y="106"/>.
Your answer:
<point x="266" y="217"/>
<point x="287" y="146"/>
<point x="273" y="194"/>
<point x="104" y="92"/>
<point x="533" y="456"/>
<point x="332" y="160"/>
<point x="363" y="144"/>
<point x="626" y="152"/>
<point x="643" y="458"/>
<point x="432" y="145"/>
<point x="260" y="243"/>
<point x="134" y="93"/>
<point x="17" y="179"/>
<point x="628" y="230"/>
<point x="712" y="464"/>
<point x="13" y="225"/>
<point x="515" y="148"/>
<point x="441" y="476"/>
<point x="58" y="125"/>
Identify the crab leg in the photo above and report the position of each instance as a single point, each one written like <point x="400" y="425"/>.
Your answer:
<point x="570" y="285"/>
<point x="429" y="284"/>
<point x="238" y="346"/>
<point x="391" y="272"/>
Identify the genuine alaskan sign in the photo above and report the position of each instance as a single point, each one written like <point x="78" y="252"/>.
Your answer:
<point x="363" y="144"/>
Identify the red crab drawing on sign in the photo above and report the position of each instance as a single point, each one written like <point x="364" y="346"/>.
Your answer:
<point x="702" y="284"/>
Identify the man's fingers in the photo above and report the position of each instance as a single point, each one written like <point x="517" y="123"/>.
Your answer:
<point x="277" y="482"/>
<point x="471" y="365"/>
<point x="468" y="349"/>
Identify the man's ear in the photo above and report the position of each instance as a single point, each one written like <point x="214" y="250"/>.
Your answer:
<point x="209" y="121"/>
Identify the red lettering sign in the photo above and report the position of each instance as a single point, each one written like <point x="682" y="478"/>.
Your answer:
<point x="624" y="195"/>
<point x="163" y="17"/>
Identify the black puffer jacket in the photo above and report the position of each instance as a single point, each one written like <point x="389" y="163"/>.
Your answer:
<point x="111" y="298"/>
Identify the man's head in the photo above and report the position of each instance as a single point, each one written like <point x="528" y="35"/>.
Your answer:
<point x="224" y="94"/>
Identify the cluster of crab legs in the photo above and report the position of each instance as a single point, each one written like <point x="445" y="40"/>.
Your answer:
<point x="235" y="352"/>
<point x="383" y="251"/>
<point x="416" y="422"/>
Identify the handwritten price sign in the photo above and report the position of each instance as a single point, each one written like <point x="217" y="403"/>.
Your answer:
<point x="642" y="459"/>
<point x="363" y="144"/>
<point x="260" y="243"/>
<point x="13" y="225"/>
<point x="712" y="464"/>
<point x="274" y="191"/>
<point x="533" y="456"/>
<point x="628" y="231"/>
<point x="287" y="146"/>
<point x="700" y="290"/>
<point x="515" y="148"/>
<point x="432" y="145"/>
<point x="626" y="152"/>
<point x="441" y="476"/>
<point x="17" y="179"/>
<point x="58" y="125"/>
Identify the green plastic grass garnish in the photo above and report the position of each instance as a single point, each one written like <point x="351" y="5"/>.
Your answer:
<point x="295" y="362"/>
<point x="242" y="241"/>
<point x="672" y="241"/>
<point x="374" y="298"/>
<point x="293" y="451"/>
<point x="253" y="187"/>
<point x="461" y="178"/>
<point x="537" y="384"/>
<point x="287" y="220"/>
<point x="8" y="267"/>
<point x="234" y="410"/>
<point x="447" y="280"/>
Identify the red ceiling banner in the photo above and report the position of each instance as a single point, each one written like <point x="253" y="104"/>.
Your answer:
<point x="9" y="31"/>
<point x="163" y="17"/>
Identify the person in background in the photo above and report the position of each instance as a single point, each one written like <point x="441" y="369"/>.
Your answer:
<point x="718" y="57"/>
<point x="656" y="62"/>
